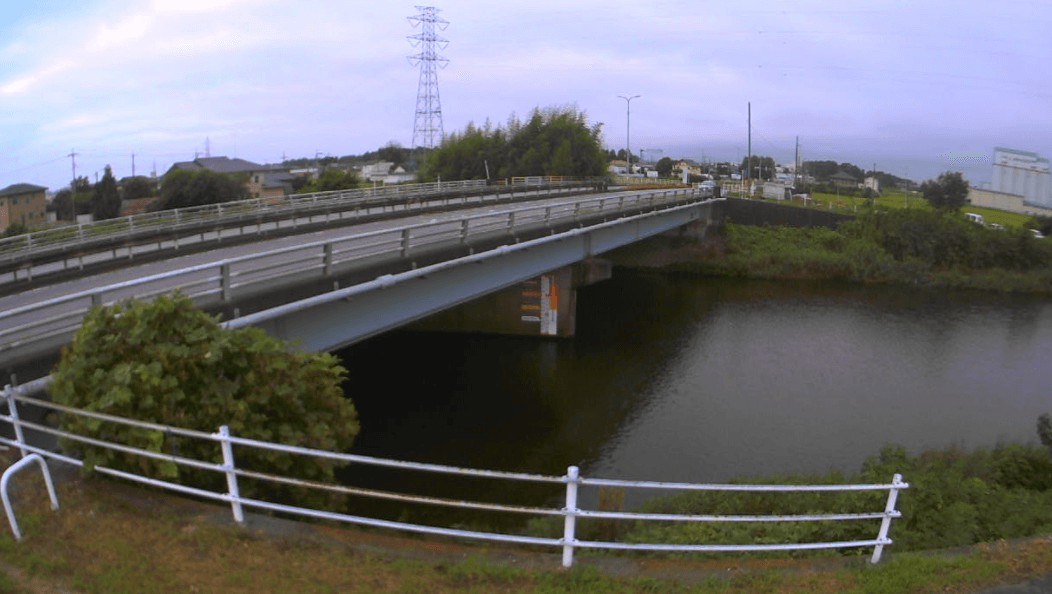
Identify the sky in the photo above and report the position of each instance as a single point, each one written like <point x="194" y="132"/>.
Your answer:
<point x="912" y="87"/>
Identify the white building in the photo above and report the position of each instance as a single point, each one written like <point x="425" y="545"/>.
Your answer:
<point x="1024" y="174"/>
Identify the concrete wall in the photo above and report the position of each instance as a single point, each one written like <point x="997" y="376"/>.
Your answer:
<point x="1005" y="201"/>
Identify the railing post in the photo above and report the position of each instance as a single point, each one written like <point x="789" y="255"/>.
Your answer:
<point x="464" y="232"/>
<point x="224" y="281"/>
<point x="231" y="474"/>
<point x="12" y="411"/>
<point x="405" y="243"/>
<point x="885" y="523"/>
<point x="570" y="514"/>
<point x="11" y="470"/>
<point x="327" y="262"/>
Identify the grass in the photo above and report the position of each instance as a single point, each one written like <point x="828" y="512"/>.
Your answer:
<point x="110" y="538"/>
<point x="894" y="198"/>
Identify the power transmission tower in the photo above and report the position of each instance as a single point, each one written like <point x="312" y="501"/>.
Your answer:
<point x="428" y="123"/>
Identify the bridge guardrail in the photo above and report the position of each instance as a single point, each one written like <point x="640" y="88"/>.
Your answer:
<point x="74" y="238"/>
<point x="571" y="483"/>
<point x="217" y="282"/>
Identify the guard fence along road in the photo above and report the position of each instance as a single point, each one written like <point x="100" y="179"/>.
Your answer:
<point x="72" y="247"/>
<point x="570" y="484"/>
<point x="53" y="321"/>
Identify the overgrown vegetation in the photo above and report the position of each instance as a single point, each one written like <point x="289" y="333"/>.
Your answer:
<point x="916" y="246"/>
<point x="554" y="141"/>
<point x="170" y="363"/>
<point x="184" y="188"/>
<point x="955" y="498"/>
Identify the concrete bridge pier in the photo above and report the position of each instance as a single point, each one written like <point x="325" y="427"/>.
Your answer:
<point x="542" y="306"/>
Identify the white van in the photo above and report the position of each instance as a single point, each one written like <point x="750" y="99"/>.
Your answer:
<point x="975" y="218"/>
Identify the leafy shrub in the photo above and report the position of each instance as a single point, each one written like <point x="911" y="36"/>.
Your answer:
<point x="167" y="362"/>
<point x="955" y="498"/>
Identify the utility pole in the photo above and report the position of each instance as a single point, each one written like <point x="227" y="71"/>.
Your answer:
<point x="133" y="164"/>
<point x="628" y="129"/>
<point x="73" y="157"/>
<point x="748" y="166"/>
<point x="796" y="162"/>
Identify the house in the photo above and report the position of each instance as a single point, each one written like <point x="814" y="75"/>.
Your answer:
<point x="690" y="167"/>
<point x="843" y="180"/>
<point x="399" y="175"/>
<point x="264" y="181"/>
<point x="872" y="183"/>
<point x="618" y="166"/>
<point x="23" y="203"/>
<point x="377" y="171"/>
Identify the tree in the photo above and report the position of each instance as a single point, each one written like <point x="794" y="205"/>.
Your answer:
<point x="949" y="191"/>
<point x="762" y="167"/>
<point x="106" y="199"/>
<point x="1044" y="430"/>
<point x="194" y="188"/>
<point x="62" y="205"/>
<point x="664" y="166"/>
<point x="168" y="362"/>
<point x="331" y="179"/>
<point x="554" y="141"/>
<point x="82" y="185"/>
<point x="138" y="187"/>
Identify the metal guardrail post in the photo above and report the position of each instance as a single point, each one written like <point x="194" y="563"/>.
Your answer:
<point x="224" y="281"/>
<point x="7" y="499"/>
<point x="96" y="299"/>
<point x="327" y="260"/>
<point x="405" y="243"/>
<point x="12" y="411"/>
<point x="464" y="232"/>
<point x="570" y="513"/>
<point x="231" y="474"/>
<point x="885" y="523"/>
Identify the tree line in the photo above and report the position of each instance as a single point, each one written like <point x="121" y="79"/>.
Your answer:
<point x="552" y="141"/>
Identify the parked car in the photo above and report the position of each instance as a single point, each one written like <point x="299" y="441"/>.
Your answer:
<point x="1036" y="234"/>
<point x="975" y="218"/>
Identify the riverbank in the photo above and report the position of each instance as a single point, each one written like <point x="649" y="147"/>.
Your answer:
<point x="914" y="247"/>
<point x="110" y="537"/>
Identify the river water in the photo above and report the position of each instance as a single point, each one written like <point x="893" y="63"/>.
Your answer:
<point x="703" y="380"/>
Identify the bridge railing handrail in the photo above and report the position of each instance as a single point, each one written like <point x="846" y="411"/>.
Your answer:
<point x="328" y="255"/>
<point x="570" y="511"/>
<point x="72" y="234"/>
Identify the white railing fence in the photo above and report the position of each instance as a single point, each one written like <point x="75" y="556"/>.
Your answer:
<point x="71" y="234"/>
<point x="569" y="511"/>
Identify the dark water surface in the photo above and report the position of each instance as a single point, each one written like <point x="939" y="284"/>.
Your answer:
<point x="703" y="380"/>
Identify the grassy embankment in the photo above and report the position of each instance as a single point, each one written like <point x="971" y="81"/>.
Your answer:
<point x="106" y="540"/>
<point x="909" y="246"/>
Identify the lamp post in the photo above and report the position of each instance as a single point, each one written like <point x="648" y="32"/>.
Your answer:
<point x="628" y="129"/>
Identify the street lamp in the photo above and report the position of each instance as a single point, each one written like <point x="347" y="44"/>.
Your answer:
<point x="628" y="129"/>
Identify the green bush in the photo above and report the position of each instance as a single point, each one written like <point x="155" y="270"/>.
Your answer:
<point x="955" y="498"/>
<point x="167" y="362"/>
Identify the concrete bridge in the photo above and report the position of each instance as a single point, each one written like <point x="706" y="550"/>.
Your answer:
<point x="334" y="287"/>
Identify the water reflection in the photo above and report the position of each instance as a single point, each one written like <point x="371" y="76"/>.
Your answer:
<point x="704" y="380"/>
